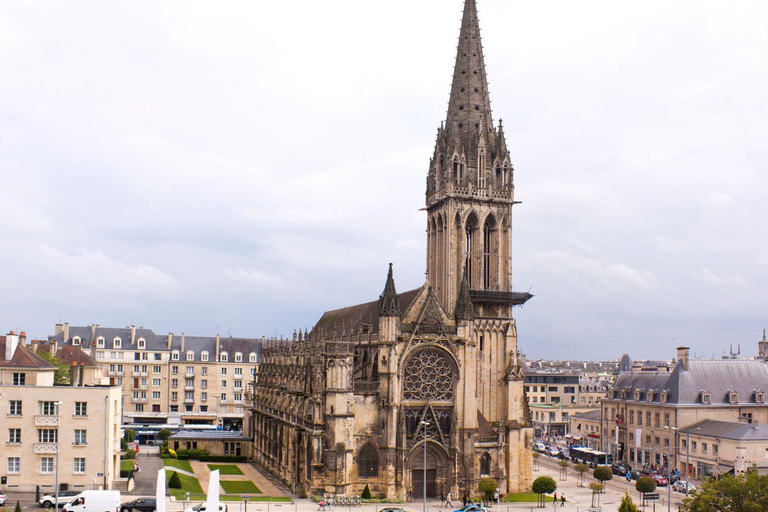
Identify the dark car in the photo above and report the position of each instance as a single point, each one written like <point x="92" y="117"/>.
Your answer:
<point x="636" y="474"/>
<point x="141" y="504"/>
<point x="620" y="468"/>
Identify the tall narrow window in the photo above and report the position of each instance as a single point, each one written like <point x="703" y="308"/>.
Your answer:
<point x="486" y="256"/>
<point x="468" y="251"/>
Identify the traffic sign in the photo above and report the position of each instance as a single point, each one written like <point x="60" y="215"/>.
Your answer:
<point x="651" y="497"/>
<point x="629" y="476"/>
<point x="677" y="473"/>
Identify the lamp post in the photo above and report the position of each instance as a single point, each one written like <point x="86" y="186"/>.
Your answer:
<point x="58" y="424"/>
<point x="669" y="466"/>
<point x="424" y="490"/>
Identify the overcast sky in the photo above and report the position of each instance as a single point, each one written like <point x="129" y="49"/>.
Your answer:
<point x="242" y="167"/>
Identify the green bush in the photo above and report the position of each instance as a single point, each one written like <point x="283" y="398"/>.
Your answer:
<point x="366" y="493"/>
<point x="192" y="454"/>
<point x="164" y="434"/>
<point x="130" y="454"/>
<point x="602" y="474"/>
<point x="130" y="435"/>
<point x="18" y="507"/>
<point x="174" y="482"/>
<point x="123" y="444"/>
<point x="488" y="486"/>
<point x="627" y="505"/>
<point x="223" y="458"/>
<point x="645" y="484"/>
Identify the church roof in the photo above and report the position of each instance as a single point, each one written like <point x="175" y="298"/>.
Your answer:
<point x="354" y="316"/>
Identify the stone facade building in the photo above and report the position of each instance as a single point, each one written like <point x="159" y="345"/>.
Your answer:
<point x="359" y="399"/>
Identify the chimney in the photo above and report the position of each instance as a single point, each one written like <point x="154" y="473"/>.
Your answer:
<point x="682" y="356"/>
<point x="133" y="334"/>
<point x="11" y="342"/>
<point x="182" y="343"/>
<point x="218" y="344"/>
<point x="66" y="332"/>
<point x="81" y="381"/>
<point x="170" y="339"/>
<point x="93" y="334"/>
<point x="59" y="328"/>
<point x="73" y="374"/>
<point x="23" y="338"/>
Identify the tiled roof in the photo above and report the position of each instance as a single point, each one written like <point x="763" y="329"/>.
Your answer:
<point x="69" y="354"/>
<point x="23" y="358"/>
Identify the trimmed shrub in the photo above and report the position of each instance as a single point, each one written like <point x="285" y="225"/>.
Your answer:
<point x="174" y="482"/>
<point x="130" y="454"/>
<point x="488" y="486"/>
<point x="366" y="493"/>
<point x="164" y="434"/>
<point x="645" y="484"/>
<point x="223" y="458"/>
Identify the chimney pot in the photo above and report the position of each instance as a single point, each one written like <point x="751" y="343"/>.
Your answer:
<point x="682" y="356"/>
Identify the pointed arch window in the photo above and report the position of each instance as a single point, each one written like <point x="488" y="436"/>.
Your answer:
<point x="368" y="462"/>
<point x="485" y="464"/>
<point x="481" y="169"/>
<point x="468" y="247"/>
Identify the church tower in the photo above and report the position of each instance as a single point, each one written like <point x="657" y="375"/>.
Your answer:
<point x="470" y="190"/>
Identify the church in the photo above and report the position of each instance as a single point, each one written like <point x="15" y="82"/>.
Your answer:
<point x="425" y="383"/>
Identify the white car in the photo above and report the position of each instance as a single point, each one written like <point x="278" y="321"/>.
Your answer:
<point x="2" y="499"/>
<point x="65" y="497"/>
<point x="201" y="508"/>
<point x="539" y="447"/>
<point x="553" y="451"/>
<point x="679" y="486"/>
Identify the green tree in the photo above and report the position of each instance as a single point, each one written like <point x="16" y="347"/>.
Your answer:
<point x="596" y="490"/>
<point x="61" y="375"/>
<point x="602" y="474"/>
<point x="627" y="505"/>
<point x="18" y="506"/>
<point x="543" y="485"/>
<point x="747" y="492"/>
<point x="580" y="469"/>
<point x="130" y="435"/>
<point x="488" y="486"/>
<point x="645" y="484"/>
<point x="164" y="434"/>
<point x="366" y="493"/>
<point x="564" y="465"/>
<point x="174" y="482"/>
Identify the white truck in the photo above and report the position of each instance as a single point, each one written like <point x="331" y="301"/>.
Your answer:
<point x="94" y="501"/>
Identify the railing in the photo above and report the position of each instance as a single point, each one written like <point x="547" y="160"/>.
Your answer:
<point x="486" y="440"/>
<point x="45" y="447"/>
<point x="46" y="421"/>
<point x="366" y="387"/>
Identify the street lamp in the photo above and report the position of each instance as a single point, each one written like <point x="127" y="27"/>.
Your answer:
<point x="669" y="466"/>
<point x="58" y="424"/>
<point x="424" y="495"/>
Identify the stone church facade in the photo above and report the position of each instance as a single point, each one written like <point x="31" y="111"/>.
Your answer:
<point x="357" y="400"/>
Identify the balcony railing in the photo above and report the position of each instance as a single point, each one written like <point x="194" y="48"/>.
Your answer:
<point x="45" y="447"/>
<point x="45" y="420"/>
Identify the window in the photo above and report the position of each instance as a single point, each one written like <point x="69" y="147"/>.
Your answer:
<point x="48" y="408"/>
<point x="174" y="408"/>
<point x="189" y="395"/>
<point x="204" y="383"/>
<point x="648" y="419"/>
<point x="79" y="466"/>
<point x="174" y="395"/>
<point x="76" y="340"/>
<point x="156" y="382"/>
<point x="100" y="342"/>
<point x="15" y="408"/>
<point x="190" y="355"/>
<point x="158" y="356"/>
<point x="119" y="369"/>
<point x="657" y="441"/>
<point x="485" y="464"/>
<point x="693" y="445"/>
<point x="251" y="357"/>
<point x="111" y="368"/>
<point x="204" y="356"/>
<point x="714" y="449"/>
<point x="157" y="369"/>
<point x="203" y="408"/>
<point x="204" y="370"/>
<point x="99" y="354"/>
<point x="238" y="357"/>
<point x="706" y="398"/>
<point x="238" y="371"/>
<point x="190" y="383"/>
<point x="233" y="448"/>
<point x="647" y="439"/>
<point x="155" y="395"/>
<point x="175" y="370"/>
<point x="759" y="397"/>
<point x="175" y="355"/>
<point x="174" y="383"/>
<point x="223" y="371"/>
<point x="658" y="420"/>
<point x="223" y="384"/>
<point x="19" y="379"/>
<point x="666" y="420"/>
<point x="81" y="408"/>
<point x="117" y="343"/>
<point x="733" y="397"/>
<point x="14" y="435"/>
<point x="631" y="417"/>
<point x="223" y="397"/>
<point x="47" y="435"/>
<point x="203" y="396"/>
<point x="190" y="370"/>
<point x="14" y="464"/>
<point x="238" y="397"/>
<point x="238" y="384"/>
<point x="368" y="461"/>
<point x="138" y="407"/>
<point x="135" y="368"/>
<point x="704" y="447"/>
<point x="144" y="383"/>
<point x="80" y="437"/>
<point x="224" y="357"/>
<point x="142" y="343"/>
<point x="46" y="465"/>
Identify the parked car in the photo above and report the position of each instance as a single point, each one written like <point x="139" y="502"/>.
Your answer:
<point x="141" y="504"/>
<point x="392" y="510"/>
<point x="553" y="451"/>
<point x="94" y="501"/>
<point x="660" y="480"/>
<point x="621" y="468"/>
<point x="201" y="508"/>
<point x="472" y="507"/>
<point x="563" y="454"/>
<point x="2" y="499"/>
<point x="636" y="474"/>
<point x="539" y="447"/>
<point x="679" y="486"/>
<point x="49" y="500"/>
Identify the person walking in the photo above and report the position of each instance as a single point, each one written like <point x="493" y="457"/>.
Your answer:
<point x="448" y="500"/>
<point x="562" y="500"/>
<point x="554" y="498"/>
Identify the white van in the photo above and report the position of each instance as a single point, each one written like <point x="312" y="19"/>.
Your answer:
<point x="539" y="447"/>
<point x="94" y="501"/>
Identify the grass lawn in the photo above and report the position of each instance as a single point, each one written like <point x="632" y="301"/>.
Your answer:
<point x="226" y="469"/>
<point x="180" y="464"/>
<point x="189" y="484"/>
<point x="239" y="487"/>
<point x="126" y="465"/>
<point x="224" y="497"/>
<point x="526" y="497"/>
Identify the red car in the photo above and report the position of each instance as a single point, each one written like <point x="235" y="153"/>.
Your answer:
<point x="660" y="480"/>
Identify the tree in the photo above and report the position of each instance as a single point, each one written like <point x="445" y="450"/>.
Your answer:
<point x="18" y="507"/>
<point x="543" y="485"/>
<point x="627" y="505"/>
<point x="536" y="456"/>
<point x="488" y="486"/>
<point x="130" y="435"/>
<point x="596" y="490"/>
<point x="174" y="482"/>
<point x="645" y="484"/>
<point x="602" y="474"/>
<point x="747" y="492"/>
<point x="164" y="434"/>
<point x="366" y="493"/>
<point x="580" y="469"/>
<point x="61" y="375"/>
<point x="564" y="465"/>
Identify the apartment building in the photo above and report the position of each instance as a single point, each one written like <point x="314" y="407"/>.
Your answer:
<point x="170" y="378"/>
<point x="586" y="428"/>
<point x="711" y="447"/>
<point x="76" y="426"/>
<point x="644" y="411"/>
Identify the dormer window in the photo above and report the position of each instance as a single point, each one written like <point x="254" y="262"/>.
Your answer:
<point x="142" y="343"/>
<point x="76" y="340"/>
<point x="175" y="355"/>
<point x="100" y="342"/>
<point x="733" y="397"/>
<point x="204" y="356"/>
<point x="117" y="343"/>
<point x="252" y="357"/>
<point x="664" y="397"/>
<point x="238" y="357"/>
<point x="759" y="397"/>
<point x="623" y="394"/>
<point x="224" y="357"/>
<point x="706" y="397"/>
<point x="637" y="395"/>
<point x="650" y="396"/>
<point x="190" y="355"/>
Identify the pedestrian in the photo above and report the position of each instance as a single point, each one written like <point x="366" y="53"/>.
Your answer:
<point x="562" y="500"/>
<point x="555" y="498"/>
<point x="442" y="499"/>
<point x="448" y="500"/>
<point x="464" y="499"/>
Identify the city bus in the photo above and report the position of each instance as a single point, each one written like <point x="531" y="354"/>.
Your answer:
<point x="590" y="457"/>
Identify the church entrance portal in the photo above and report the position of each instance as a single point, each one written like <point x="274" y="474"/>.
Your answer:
<point x="438" y="473"/>
<point x="417" y="476"/>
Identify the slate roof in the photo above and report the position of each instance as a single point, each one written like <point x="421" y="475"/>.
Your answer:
<point x="589" y="415"/>
<point x="22" y="358"/>
<point x="684" y="387"/>
<point x="728" y="430"/>
<point x="200" y="344"/>
<point x="367" y="313"/>
<point x="154" y="342"/>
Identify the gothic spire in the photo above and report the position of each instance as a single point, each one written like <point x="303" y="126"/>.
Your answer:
<point x="389" y="305"/>
<point x="469" y="108"/>
<point x="464" y="309"/>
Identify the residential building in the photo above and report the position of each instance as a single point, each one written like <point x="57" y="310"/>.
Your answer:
<point x="76" y="426"/>
<point x="711" y="447"/>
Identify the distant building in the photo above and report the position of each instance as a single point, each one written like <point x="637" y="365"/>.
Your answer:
<point x="586" y="428"/>
<point x="641" y="404"/>
<point x="721" y="447"/>
<point x="84" y="428"/>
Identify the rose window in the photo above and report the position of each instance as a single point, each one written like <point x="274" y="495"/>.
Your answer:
<point x="428" y="376"/>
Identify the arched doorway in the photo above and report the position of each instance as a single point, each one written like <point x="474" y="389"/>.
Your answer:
<point x="437" y="470"/>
